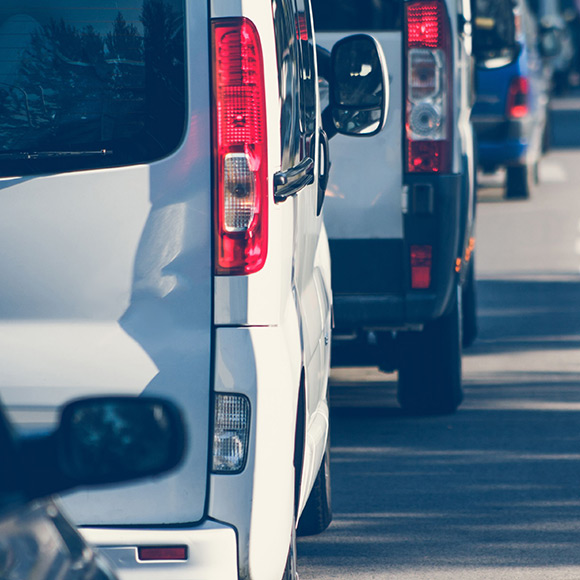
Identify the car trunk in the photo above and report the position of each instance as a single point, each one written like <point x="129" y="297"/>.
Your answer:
<point x="106" y="235"/>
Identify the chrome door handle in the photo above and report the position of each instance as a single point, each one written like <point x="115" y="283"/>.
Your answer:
<point x="289" y="183"/>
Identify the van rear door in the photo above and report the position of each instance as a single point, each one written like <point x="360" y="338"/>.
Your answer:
<point x="365" y="188"/>
<point x="106" y="224"/>
<point x="363" y="207"/>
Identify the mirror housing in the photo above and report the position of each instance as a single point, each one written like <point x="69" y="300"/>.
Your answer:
<point x="494" y="33"/>
<point x="357" y="76"/>
<point x="104" y="440"/>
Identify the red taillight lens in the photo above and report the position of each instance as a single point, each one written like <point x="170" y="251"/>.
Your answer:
<point x="428" y="96"/>
<point x="428" y="156"/>
<point x="163" y="553"/>
<point x="421" y="261"/>
<point x="517" y="100"/>
<point x="240" y="148"/>
<point x="425" y="24"/>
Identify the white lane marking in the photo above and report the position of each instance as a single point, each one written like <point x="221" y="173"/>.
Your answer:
<point x="551" y="172"/>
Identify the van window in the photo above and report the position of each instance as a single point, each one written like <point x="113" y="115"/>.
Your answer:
<point x="307" y="84"/>
<point x="359" y="15"/>
<point x="295" y="56"/>
<point x="287" y="53"/>
<point x="90" y="84"/>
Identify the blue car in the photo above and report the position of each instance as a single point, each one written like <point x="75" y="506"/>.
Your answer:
<point x="510" y="113"/>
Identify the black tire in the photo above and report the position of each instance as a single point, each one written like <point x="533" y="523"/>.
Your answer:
<point x="430" y="366"/>
<point x="317" y="513"/>
<point x="291" y="569"/>
<point x="519" y="181"/>
<point x="469" y="306"/>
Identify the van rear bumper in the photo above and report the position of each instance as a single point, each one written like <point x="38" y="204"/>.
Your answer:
<point x="211" y="551"/>
<point x="372" y="278"/>
<point x="383" y="312"/>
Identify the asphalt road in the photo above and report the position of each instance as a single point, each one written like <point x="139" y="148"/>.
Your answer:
<point x="492" y="492"/>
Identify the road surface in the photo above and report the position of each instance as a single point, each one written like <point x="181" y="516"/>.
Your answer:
<point x="493" y="491"/>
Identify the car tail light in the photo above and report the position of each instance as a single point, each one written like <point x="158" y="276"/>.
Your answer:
<point x="421" y="262"/>
<point x="517" y="100"/>
<point x="240" y="148"/>
<point x="428" y="87"/>
<point x="150" y="553"/>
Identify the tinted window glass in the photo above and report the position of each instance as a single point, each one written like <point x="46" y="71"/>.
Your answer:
<point x="92" y="84"/>
<point x="287" y="53"/>
<point x="361" y="15"/>
<point x="307" y="84"/>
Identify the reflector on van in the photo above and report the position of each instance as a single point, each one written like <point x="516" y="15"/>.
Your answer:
<point x="421" y="262"/>
<point x="150" y="553"/>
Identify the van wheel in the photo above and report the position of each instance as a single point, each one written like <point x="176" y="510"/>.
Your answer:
<point x="519" y="181"/>
<point x="317" y="513"/>
<point x="469" y="305"/>
<point x="290" y="571"/>
<point x="430" y="366"/>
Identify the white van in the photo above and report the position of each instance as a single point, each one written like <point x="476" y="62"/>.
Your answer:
<point x="401" y="206"/>
<point x="162" y="170"/>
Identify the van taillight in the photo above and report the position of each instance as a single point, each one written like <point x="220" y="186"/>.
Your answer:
<point x="517" y="100"/>
<point x="239" y="148"/>
<point x="428" y="87"/>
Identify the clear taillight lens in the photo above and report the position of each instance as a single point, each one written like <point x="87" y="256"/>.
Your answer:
<point x="428" y="114"/>
<point x="426" y="70"/>
<point x="231" y="433"/>
<point x="240" y="148"/>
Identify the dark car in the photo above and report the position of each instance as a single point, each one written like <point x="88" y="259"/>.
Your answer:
<point x="510" y="114"/>
<point x="98" y="441"/>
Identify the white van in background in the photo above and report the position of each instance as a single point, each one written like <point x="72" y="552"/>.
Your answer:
<point x="162" y="170"/>
<point x="401" y="206"/>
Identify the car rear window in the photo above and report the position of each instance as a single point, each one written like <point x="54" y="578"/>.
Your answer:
<point x="360" y="15"/>
<point x="89" y="84"/>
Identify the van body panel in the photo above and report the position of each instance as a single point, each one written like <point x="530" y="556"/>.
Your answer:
<point x="269" y="472"/>
<point x="368" y="205"/>
<point x="135" y="307"/>
<point x="110" y="290"/>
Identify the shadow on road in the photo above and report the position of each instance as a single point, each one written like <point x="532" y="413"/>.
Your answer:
<point x="495" y="486"/>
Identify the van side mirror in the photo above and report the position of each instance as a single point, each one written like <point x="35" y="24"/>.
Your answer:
<point x="494" y="33"/>
<point x="358" y="86"/>
<point x="103" y="440"/>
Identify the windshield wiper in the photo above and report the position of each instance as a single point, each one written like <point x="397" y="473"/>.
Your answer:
<point x="51" y="154"/>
